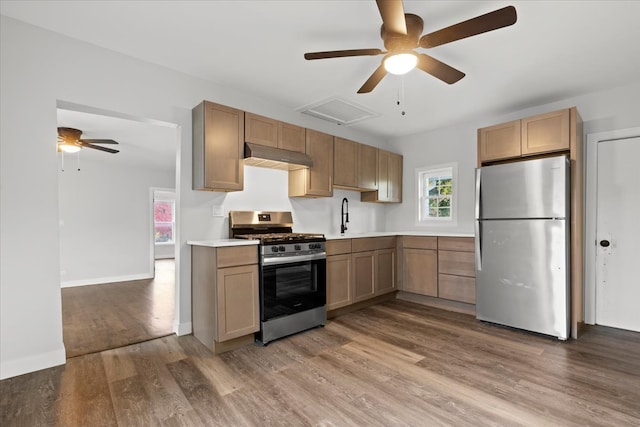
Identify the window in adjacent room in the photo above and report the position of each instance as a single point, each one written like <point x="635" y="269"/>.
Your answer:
<point x="164" y="220"/>
<point x="437" y="193"/>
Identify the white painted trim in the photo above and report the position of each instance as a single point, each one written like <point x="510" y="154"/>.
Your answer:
<point x="436" y="222"/>
<point x="36" y="362"/>
<point x="591" y="185"/>
<point x="102" y="280"/>
<point x="182" y="328"/>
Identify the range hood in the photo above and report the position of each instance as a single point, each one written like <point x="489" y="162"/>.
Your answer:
<point x="274" y="158"/>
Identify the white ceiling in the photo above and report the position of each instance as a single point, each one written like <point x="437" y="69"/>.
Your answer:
<point x="557" y="49"/>
<point x="141" y="144"/>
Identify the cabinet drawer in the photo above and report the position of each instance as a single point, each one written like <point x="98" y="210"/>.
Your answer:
<point x="458" y="263"/>
<point x="419" y="242"/>
<point x="457" y="288"/>
<point x="462" y="244"/>
<point x="237" y="255"/>
<point x="372" y="243"/>
<point x="339" y="246"/>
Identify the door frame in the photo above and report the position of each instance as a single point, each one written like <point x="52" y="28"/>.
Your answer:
<point x="591" y="186"/>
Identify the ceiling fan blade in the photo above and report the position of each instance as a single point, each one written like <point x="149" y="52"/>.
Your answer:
<point x="98" y="141"/>
<point x="373" y="80"/>
<point x="97" y="147"/>
<point x="392" y="12"/>
<point x="480" y="24"/>
<point x="439" y="69"/>
<point x="342" y="53"/>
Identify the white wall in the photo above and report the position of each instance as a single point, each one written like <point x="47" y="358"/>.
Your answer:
<point x="38" y="68"/>
<point x="105" y="218"/>
<point x="600" y="111"/>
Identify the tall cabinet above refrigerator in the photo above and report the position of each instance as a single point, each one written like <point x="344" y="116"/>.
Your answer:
<point x="522" y="245"/>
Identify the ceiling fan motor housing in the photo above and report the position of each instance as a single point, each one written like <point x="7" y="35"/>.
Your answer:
<point x="397" y="42"/>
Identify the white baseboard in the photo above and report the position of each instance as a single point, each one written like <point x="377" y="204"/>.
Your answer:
<point x="37" y="362"/>
<point x="182" y="328"/>
<point x="101" y="280"/>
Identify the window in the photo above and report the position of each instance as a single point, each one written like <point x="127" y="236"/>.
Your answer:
<point x="163" y="220"/>
<point x="437" y="193"/>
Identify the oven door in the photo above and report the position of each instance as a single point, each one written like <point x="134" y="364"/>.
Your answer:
<point x="291" y="285"/>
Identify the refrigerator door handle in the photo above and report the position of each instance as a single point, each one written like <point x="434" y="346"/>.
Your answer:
<point x="477" y="207"/>
<point x="478" y="230"/>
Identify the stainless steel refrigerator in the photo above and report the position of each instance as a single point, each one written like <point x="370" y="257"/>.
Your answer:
<point x="522" y="245"/>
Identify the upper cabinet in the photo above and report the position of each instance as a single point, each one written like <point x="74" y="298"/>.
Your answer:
<point x="540" y="134"/>
<point x="218" y="147"/>
<point x="316" y="181"/>
<point x="389" y="179"/>
<point x="355" y="165"/>
<point x="273" y="133"/>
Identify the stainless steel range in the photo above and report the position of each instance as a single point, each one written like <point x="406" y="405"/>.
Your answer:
<point x="292" y="272"/>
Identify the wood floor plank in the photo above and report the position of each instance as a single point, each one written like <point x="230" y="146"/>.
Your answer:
<point x="106" y="316"/>
<point x="397" y="363"/>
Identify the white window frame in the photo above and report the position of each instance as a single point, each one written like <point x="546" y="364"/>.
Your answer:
<point x="173" y="220"/>
<point x="436" y="170"/>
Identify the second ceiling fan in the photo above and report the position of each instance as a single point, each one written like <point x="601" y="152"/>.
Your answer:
<point x="401" y="33"/>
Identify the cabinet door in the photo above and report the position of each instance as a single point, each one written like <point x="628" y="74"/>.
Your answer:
<point x="383" y="176"/>
<point x="339" y="276"/>
<point x="363" y="275"/>
<point x="316" y="181"/>
<point x="457" y="263"/>
<point x="367" y="167"/>
<point x="345" y="163"/>
<point x="385" y="278"/>
<point x="291" y="137"/>
<point x="499" y="142"/>
<point x="420" y="271"/>
<point x="218" y="148"/>
<point x="394" y="178"/>
<point x="457" y="288"/>
<point x="237" y="302"/>
<point x="260" y="130"/>
<point x="545" y="133"/>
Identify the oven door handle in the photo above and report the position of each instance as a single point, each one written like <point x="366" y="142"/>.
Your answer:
<point x="294" y="258"/>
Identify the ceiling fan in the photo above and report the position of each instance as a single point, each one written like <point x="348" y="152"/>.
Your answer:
<point x="400" y="33"/>
<point x="69" y="141"/>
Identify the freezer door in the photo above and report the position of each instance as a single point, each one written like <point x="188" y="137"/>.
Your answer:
<point x="522" y="275"/>
<point x="530" y="189"/>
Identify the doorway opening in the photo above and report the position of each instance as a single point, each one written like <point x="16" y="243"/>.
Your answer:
<point x="114" y="291"/>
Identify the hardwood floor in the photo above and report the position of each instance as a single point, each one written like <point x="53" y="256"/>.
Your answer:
<point x="396" y="363"/>
<point x="103" y="317"/>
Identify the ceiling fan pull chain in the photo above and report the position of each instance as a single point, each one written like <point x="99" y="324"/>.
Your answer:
<point x="401" y="95"/>
<point x="62" y="161"/>
<point x="79" y="161"/>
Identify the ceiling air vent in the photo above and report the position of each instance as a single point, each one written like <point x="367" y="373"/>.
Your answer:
<point x="338" y="111"/>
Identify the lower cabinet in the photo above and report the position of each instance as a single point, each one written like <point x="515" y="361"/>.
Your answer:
<point x="339" y="280"/>
<point x="364" y="268"/>
<point x="456" y="269"/>
<point x="225" y="294"/>
<point x="359" y="269"/>
<point x="420" y="265"/>
<point x="420" y="271"/>
<point x="441" y="267"/>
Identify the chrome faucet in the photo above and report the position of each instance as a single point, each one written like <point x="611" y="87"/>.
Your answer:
<point x="344" y="215"/>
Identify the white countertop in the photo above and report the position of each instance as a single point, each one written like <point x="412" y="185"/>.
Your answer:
<point x="219" y="243"/>
<point x="398" y="233"/>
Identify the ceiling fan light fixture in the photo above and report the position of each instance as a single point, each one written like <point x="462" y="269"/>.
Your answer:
<point x="400" y="63"/>
<point x="68" y="147"/>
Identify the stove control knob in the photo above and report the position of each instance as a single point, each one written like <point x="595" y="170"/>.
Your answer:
<point x="282" y="249"/>
<point x="297" y="247"/>
<point x="274" y="249"/>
